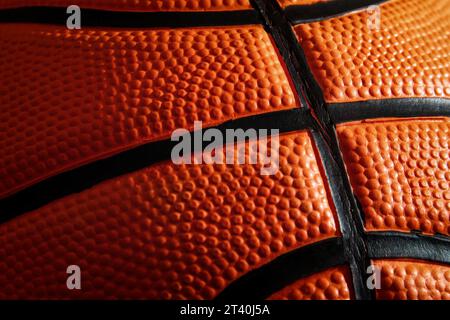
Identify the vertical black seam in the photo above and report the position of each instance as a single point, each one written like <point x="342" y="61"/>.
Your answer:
<point x="354" y="238"/>
<point x="271" y="22"/>
<point x="349" y="214"/>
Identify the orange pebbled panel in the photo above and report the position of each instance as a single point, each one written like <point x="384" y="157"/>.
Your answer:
<point x="331" y="284"/>
<point x="399" y="171"/>
<point x="70" y="97"/>
<point x="168" y="231"/>
<point x="407" y="57"/>
<point x="137" y="5"/>
<point x="286" y="3"/>
<point x="413" y="280"/>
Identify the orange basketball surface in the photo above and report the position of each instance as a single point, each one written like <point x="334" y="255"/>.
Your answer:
<point x="358" y="91"/>
<point x="399" y="170"/>
<point x="197" y="228"/>
<point x="137" y="5"/>
<point x="413" y="280"/>
<point x="332" y="284"/>
<point x="122" y="88"/>
<point x="285" y="3"/>
<point x="407" y="56"/>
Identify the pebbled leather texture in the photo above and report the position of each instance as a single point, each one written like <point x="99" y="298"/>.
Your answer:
<point x="399" y="171"/>
<point x="86" y="177"/>
<point x="169" y="231"/>
<point x="331" y="284"/>
<point x="115" y="89"/>
<point x="137" y="5"/>
<point x="413" y="280"/>
<point x="406" y="55"/>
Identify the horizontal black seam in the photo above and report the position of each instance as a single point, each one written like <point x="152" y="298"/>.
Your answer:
<point x="387" y="245"/>
<point x="326" y="10"/>
<point x="383" y="108"/>
<point x="86" y="176"/>
<point x="351" y="227"/>
<point x="262" y="282"/>
<point x="127" y="19"/>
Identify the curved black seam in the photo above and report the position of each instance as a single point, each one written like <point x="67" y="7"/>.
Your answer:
<point x="264" y="281"/>
<point x="351" y="226"/>
<point x="326" y="10"/>
<point x="88" y="175"/>
<point x="384" y="108"/>
<point x="128" y="19"/>
<point x="395" y="245"/>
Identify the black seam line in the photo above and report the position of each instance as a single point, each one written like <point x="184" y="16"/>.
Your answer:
<point x="356" y="211"/>
<point x="262" y="282"/>
<point x="325" y="114"/>
<point x="326" y="10"/>
<point x="355" y="231"/>
<point x="127" y="19"/>
<point x="359" y="214"/>
<point x="353" y="237"/>
<point x="391" y="245"/>
<point x="314" y="91"/>
<point x="86" y="176"/>
<point x="327" y="128"/>
<point x="271" y="25"/>
<point x="385" y="108"/>
<point x="310" y="86"/>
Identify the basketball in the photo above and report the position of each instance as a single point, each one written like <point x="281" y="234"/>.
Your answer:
<point x="224" y="150"/>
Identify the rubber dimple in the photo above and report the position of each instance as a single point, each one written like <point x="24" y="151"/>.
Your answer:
<point x="169" y="231"/>
<point x="413" y="280"/>
<point x="72" y="97"/>
<point x="399" y="171"/>
<point x="331" y="284"/>
<point x="401" y="51"/>
<point x="137" y="5"/>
